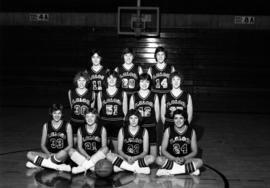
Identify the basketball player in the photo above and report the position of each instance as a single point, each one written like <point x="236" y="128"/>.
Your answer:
<point x="112" y="107"/>
<point x="179" y="148"/>
<point x="147" y="103"/>
<point x="175" y="99"/>
<point x="56" y="140"/>
<point x="129" y="73"/>
<point x="96" y="73"/>
<point x="92" y="144"/>
<point x="160" y="72"/>
<point x="80" y="99"/>
<point x="133" y="146"/>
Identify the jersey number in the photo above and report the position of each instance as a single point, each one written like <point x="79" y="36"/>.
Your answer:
<point x="133" y="149"/>
<point x="177" y="149"/>
<point x="162" y="83"/>
<point x="80" y="110"/>
<point x="57" y="143"/>
<point x="90" y="146"/>
<point x="97" y="86"/>
<point x="128" y="83"/>
<point x="145" y="111"/>
<point x="112" y="110"/>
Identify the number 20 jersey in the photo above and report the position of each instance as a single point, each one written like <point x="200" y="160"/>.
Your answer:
<point x="179" y="145"/>
<point x="56" y="138"/>
<point x="80" y="105"/>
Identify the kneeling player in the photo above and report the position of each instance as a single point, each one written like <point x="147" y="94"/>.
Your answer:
<point x="133" y="146"/>
<point x="56" y="140"/>
<point x="92" y="140"/>
<point x="179" y="147"/>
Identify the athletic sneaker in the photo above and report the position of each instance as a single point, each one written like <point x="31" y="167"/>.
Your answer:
<point x="63" y="167"/>
<point x="140" y="170"/>
<point x="196" y="173"/>
<point x="31" y="165"/>
<point x="78" y="170"/>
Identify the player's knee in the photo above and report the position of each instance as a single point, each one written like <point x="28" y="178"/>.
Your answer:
<point x="30" y="155"/>
<point x="160" y="160"/>
<point x="111" y="156"/>
<point x="199" y="163"/>
<point x="149" y="159"/>
<point x="71" y="151"/>
<point x="104" y="149"/>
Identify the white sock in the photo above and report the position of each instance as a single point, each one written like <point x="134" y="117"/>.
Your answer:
<point x="118" y="162"/>
<point x="78" y="158"/>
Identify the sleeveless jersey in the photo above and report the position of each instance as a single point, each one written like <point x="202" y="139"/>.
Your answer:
<point x="146" y="107"/>
<point x="179" y="145"/>
<point x="80" y="104"/>
<point x="91" y="142"/>
<point x="160" y="79"/>
<point x="129" y="79"/>
<point x="133" y="144"/>
<point x="112" y="106"/>
<point x="173" y="103"/>
<point x="56" y="138"/>
<point x="97" y="79"/>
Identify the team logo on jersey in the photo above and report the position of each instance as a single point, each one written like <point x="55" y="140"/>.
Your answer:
<point x="179" y="138"/>
<point x="91" y="138"/>
<point x="57" y="134"/>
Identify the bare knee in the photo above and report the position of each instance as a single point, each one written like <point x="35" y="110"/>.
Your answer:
<point x="198" y="163"/>
<point x="104" y="149"/>
<point x="160" y="160"/>
<point x="30" y="155"/>
<point x="111" y="156"/>
<point x="71" y="151"/>
<point x="149" y="159"/>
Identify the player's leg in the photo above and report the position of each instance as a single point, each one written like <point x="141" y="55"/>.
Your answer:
<point x="31" y="155"/>
<point x="197" y="162"/>
<point x="83" y="163"/>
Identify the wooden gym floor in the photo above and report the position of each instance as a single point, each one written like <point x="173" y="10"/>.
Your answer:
<point x="234" y="147"/>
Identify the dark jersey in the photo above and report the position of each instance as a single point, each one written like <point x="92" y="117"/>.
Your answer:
<point x="56" y="138"/>
<point x="112" y="106"/>
<point x="160" y="78"/>
<point x="179" y="145"/>
<point x="96" y="79"/>
<point x="146" y="107"/>
<point x="129" y="78"/>
<point x="91" y="142"/>
<point x="80" y="105"/>
<point x="133" y="144"/>
<point x="173" y="103"/>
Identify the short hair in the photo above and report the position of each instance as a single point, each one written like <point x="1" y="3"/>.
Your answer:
<point x="131" y="113"/>
<point x="114" y="74"/>
<point x="92" y="111"/>
<point x="127" y="51"/>
<point x="54" y="107"/>
<point x="146" y="76"/>
<point x="83" y="74"/>
<point x="95" y="51"/>
<point x="183" y="113"/>
<point x="161" y="49"/>
<point x="176" y="73"/>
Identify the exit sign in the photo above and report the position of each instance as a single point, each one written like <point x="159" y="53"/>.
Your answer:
<point x="249" y="20"/>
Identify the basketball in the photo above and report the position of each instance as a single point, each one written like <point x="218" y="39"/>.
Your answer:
<point x="103" y="168"/>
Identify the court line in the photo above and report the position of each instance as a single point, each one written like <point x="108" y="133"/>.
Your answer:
<point x="225" y="180"/>
<point x="18" y="151"/>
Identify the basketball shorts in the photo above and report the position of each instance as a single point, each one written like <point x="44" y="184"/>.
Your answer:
<point x="112" y="128"/>
<point x="152" y="132"/>
<point x="75" y="125"/>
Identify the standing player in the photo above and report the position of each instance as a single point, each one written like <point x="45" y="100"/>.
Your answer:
<point x="147" y="103"/>
<point x="56" y="140"/>
<point x="179" y="148"/>
<point x="160" y="72"/>
<point x="96" y="73"/>
<point x="133" y="146"/>
<point x="80" y="99"/>
<point x="175" y="99"/>
<point x="92" y="144"/>
<point x="129" y="73"/>
<point x="112" y="106"/>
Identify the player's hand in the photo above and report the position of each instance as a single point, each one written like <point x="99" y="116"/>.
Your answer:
<point x="180" y="160"/>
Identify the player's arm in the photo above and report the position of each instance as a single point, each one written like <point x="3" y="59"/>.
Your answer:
<point x="157" y="108"/>
<point x="164" y="146"/>
<point x="163" y="108"/>
<point x="92" y="105"/>
<point x="189" y="109"/>
<point x="145" y="146"/>
<point x="116" y="69"/>
<point x="69" y="98"/>
<point x="120" y="144"/>
<point x="103" y="137"/>
<point x="131" y="102"/>
<point x="172" y="69"/>
<point x="125" y="103"/>
<point x="99" y="103"/>
<point x="44" y="139"/>
<point x="69" y="137"/>
<point x="79" y="144"/>
<point x="140" y="70"/>
<point x="150" y="71"/>
<point x="194" y="146"/>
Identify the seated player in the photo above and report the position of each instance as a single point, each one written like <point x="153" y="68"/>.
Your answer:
<point x="92" y="140"/>
<point x="179" y="148"/>
<point x="56" y="140"/>
<point x="133" y="146"/>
